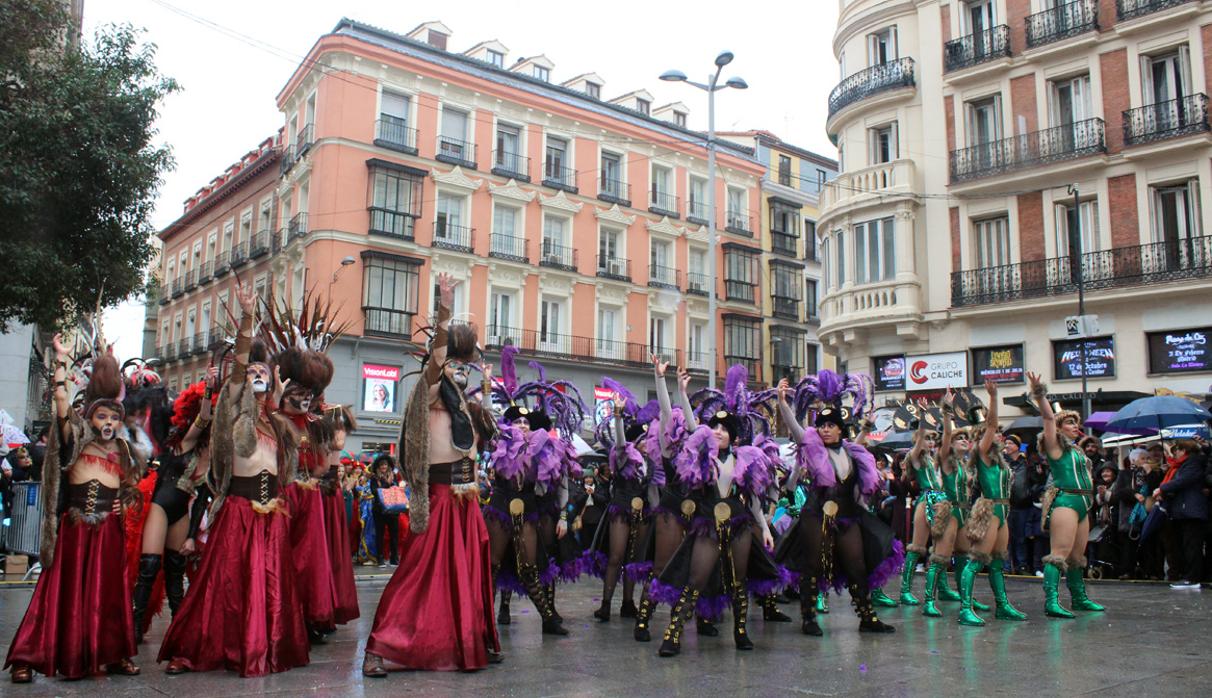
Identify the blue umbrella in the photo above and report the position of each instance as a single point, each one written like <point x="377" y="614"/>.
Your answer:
<point x="1149" y="415"/>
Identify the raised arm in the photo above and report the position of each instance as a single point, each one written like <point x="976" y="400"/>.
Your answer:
<point x="437" y="349"/>
<point x="198" y="428"/>
<point x="987" y="443"/>
<point x="944" y="447"/>
<point x="620" y="436"/>
<point x="1039" y="391"/>
<point x="247" y="297"/>
<point x="787" y="414"/>
<point x="486" y="387"/>
<point x="684" y="400"/>
<point x="63" y="403"/>
<point x="914" y="457"/>
<point x="662" y="390"/>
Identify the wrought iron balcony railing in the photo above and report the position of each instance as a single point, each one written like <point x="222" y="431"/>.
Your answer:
<point x="304" y="139"/>
<point x="239" y="254"/>
<point x="1131" y="9"/>
<point x="297" y="227"/>
<point x="191" y="279"/>
<point x="222" y="263"/>
<point x="696" y="211"/>
<point x="448" y="236"/>
<point x="1169" y="119"/>
<point x="737" y="223"/>
<point x="206" y="272"/>
<point x="611" y="267"/>
<point x="697" y="283"/>
<point x="512" y="165"/>
<point x="873" y="80"/>
<point x="1138" y="265"/>
<point x="178" y="287"/>
<point x="557" y="256"/>
<point x="259" y="245"/>
<point x="393" y="133"/>
<point x="166" y="293"/>
<point x="1062" y="22"/>
<point x="614" y="191"/>
<point x="663" y="203"/>
<point x="508" y="247"/>
<point x="558" y="177"/>
<point x="1055" y="144"/>
<point x="391" y="223"/>
<point x="216" y="336"/>
<point x="661" y="276"/>
<point x="976" y="48"/>
<point x="387" y="322"/>
<point x="456" y="151"/>
<point x="597" y="349"/>
<point x="287" y="161"/>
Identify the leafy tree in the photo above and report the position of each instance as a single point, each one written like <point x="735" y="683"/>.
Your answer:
<point x="78" y="169"/>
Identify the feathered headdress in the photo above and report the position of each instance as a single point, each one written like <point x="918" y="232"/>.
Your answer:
<point x="139" y="375"/>
<point x="751" y="408"/>
<point x="635" y="417"/>
<point x="559" y="399"/>
<point x="315" y="329"/>
<point x="829" y="389"/>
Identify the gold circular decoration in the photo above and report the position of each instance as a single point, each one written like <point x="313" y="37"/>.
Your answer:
<point x="723" y="512"/>
<point x="688" y="508"/>
<point x="637" y="504"/>
<point x="516" y="507"/>
<point x="830" y="508"/>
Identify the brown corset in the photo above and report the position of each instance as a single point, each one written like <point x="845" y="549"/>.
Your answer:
<point x="90" y="498"/>
<point x="460" y="472"/>
<point x="261" y="488"/>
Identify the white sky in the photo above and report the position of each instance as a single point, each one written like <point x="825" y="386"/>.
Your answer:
<point x="234" y="58"/>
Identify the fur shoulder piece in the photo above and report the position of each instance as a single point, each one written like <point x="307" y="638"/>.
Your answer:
<point x="414" y="453"/>
<point x="695" y="461"/>
<point x="813" y="460"/>
<point x="864" y="462"/>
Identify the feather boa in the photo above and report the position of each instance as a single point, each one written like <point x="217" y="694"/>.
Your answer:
<point x="545" y="458"/>
<point x="568" y="454"/>
<point x="752" y="470"/>
<point x="813" y="458"/>
<point x="695" y="461"/>
<point x="626" y="462"/>
<point x="650" y="444"/>
<point x="507" y="455"/>
<point x="676" y="432"/>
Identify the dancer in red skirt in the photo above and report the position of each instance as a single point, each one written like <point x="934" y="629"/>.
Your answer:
<point x="436" y="612"/>
<point x="340" y="421"/>
<point x="79" y="619"/>
<point x="242" y="611"/>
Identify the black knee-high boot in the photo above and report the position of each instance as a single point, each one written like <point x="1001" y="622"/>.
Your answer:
<point x="643" y="614"/>
<point x="740" y="617"/>
<point x="770" y="610"/>
<point x="860" y="596"/>
<point x="174" y="578"/>
<point x="538" y="595"/>
<point x="149" y="567"/>
<point x="672" y="643"/>
<point x="809" y="590"/>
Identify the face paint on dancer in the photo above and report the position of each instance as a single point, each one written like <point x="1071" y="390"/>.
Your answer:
<point x="105" y="423"/>
<point x="296" y="400"/>
<point x="458" y="371"/>
<point x="261" y="377"/>
<point x="1071" y="427"/>
<point x="961" y="443"/>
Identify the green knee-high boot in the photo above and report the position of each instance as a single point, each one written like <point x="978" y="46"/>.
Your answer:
<point x="1077" y="587"/>
<point x="1054" y="567"/>
<point x="967" y="616"/>
<point x="933" y="574"/>
<point x="907" y="598"/>
<point x="945" y="592"/>
<point x="997" y="583"/>
<point x="879" y="598"/>
<point x="961" y="562"/>
<point x="822" y="603"/>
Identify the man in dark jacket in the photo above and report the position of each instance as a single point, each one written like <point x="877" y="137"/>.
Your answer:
<point x="1185" y="502"/>
<point x="1026" y="487"/>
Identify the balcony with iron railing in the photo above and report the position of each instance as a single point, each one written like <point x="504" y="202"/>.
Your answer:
<point x="387" y="322"/>
<point x="185" y="347"/>
<point x="663" y="276"/>
<point x="259" y="245"/>
<point x="391" y="223"/>
<point x="508" y="247"/>
<point x="1131" y="9"/>
<point x="222" y="263"/>
<point x="287" y="161"/>
<point x="393" y="133"/>
<point x="974" y="49"/>
<point x="191" y="280"/>
<point x="612" y="267"/>
<point x="1119" y="267"/>
<point x="239" y="254"/>
<point x="697" y="361"/>
<point x="614" y="191"/>
<point x="1061" y="22"/>
<point x="698" y="283"/>
<point x="557" y="256"/>
<point x="783" y="243"/>
<point x="1050" y="145"/>
<point x="737" y="290"/>
<point x="216" y="336"/>
<point x="1169" y="119"/>
<point x="179" y="286"/>
<point x="874" y="80"/>
<point x="169" y="352"/>
<point x="456" y="151"/>
<point x="278" y="240"/>
<point x="166" y="293"/>
<point x="201" y="343"/>
<point x="738" y="223"/>
<point x="512" y="165"/>
<point x="557" y="176"/>
<point x="205" y="272"/>
<point x="450" y="236"/>
<point x="304" y="139"/>
<point x="596" y="349"/>
<point x="663" y="203"/>
<point x="697" y="211"/>
<point x="297" y="227"/>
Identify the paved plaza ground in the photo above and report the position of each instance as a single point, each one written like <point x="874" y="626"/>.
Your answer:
<point x="1153" y="641"/>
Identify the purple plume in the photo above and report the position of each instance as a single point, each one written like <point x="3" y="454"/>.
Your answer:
<point x="813" y="460"/>
<point x="650" y="443"/>
<point x="507" y="458"/>
<point x="829" y="386"/>
<point x="509" y="370"/>
<point x="864" y="462"/>
<point x="675" y="431"/>
<point x="695" y="462"/>
<point x="752" y="470"/>
<point x="630" y="407"/>
<point x="735" y="383"/>
<point x="538" y="368"/>
<point x="572" y="464"/>
<point x="545" y="458"/>
<point x="648" y="412"/>
<point x="626" y="462"/>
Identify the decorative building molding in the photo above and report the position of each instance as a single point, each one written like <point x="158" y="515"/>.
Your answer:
<point x="456" y="178"/>
<point x="697" y="233"/>
<point x="665" y="227"/>
<point x="561" y="202"/>
<point x="511" y="190"/>
<point x="613" y="215"/>
<point x="505" y="274"/>
<point x="555" y="284"/>
<point x="449" y="264"/>
<point x="612" y="294"/>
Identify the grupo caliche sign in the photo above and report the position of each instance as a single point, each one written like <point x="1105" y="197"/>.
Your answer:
<point x="936" y="371"/>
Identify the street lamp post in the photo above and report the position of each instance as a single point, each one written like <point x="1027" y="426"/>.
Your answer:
<point x="710" y="87"/>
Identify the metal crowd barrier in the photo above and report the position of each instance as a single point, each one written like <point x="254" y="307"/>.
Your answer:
<point x="23" y="535"/>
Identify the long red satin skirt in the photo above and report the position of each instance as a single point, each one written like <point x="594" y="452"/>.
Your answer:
<point x="310" y="555"/>
<point x="436" y="613"/>
<point x="79" y="618"/>
<point x="336" y="528"/>
<point x="241" y="611"/>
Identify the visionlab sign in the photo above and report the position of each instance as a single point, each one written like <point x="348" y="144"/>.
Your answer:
<point x="937" y="371"/>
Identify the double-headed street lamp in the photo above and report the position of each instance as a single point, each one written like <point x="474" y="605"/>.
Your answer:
<point x="710" y="87"/>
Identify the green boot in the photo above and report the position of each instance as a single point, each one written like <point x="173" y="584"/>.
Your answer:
<point x="879" y="598"/>
<point x="1077" y="587"/>
<point x="907" y="598"/>
<point x="933" y="572"/>
<point x="998" y="583"/>
<point x="961" y="562"/>
<point x="966" y="615"/>
<point x="822" y="603"/>
<point x="945" y="592"/>
<point x="1052" y="574"/>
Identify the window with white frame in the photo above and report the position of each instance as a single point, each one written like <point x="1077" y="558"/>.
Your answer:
<point x="881" y="46"/>
<point x="1070" y="100"/>
<point x="205" y="327"/>
<point x="191" y="324"/>
<point x="394" y="112"/>
<point x="660" y="259"/>
<point x="449" y="223"/>
<point x="643" y="106"/>
<point x="737" y="211"/>
<point x="558" y="161"/>
<point x="496" y="58"/>
<point x="1166" y="76"/>
<point x="698" y="198"/>
<point x="453" y="140"/>
<point x="658" y="333"/>
<point x="542" y="73"/>
<point x="839" y="259"/>
<point x="984" y="120"/>
<point x="883" y="145"/>
<point x="979" y="16"/>
<point x="458" y="301"/>
<point x="265" y="216"/>
<point x="874" y="251"/>
<point x="509" y="155"/>
<point x="609" y="324"/>
<point x="679" y="119"/>
<point x="696" y="344"/>
<point x="501" y="305"/>
<point x="551" y="325"/>
<point x="992" y="242"/>
<point x="662" y="188"/>
<point x="395" y="202"/>
<point x="389" y="294"/>
<point x="556" y="250"/>
<point x="506" y="241"/>
<point x="613" y="175"/>
<point x="610" y="252"/>
<point x="212" y="242"/>
<point x="246" y="226"/>
<point x="1087" y="227"/>
<point x="1176" y="212"/>
<point x="229" y="230"/>
<point x="697" y="267"/>
<point x="593" y="89"/>
<point x="170" y="273"/>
